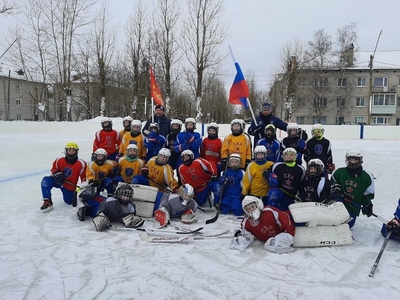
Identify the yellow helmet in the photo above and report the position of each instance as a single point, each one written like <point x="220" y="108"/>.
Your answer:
<point x="72" y="145"/>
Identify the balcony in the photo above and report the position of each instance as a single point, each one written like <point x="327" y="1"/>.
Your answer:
<point x="383" y="109"/>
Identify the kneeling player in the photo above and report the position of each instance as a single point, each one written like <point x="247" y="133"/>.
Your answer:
<point x="393" y="226"/>
<point x="268" y="224"/>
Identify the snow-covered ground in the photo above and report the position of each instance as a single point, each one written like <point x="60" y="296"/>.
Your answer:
<point x="54" y="256"/>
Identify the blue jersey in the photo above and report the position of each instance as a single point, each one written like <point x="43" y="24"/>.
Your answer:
<point x="273" y="149"/>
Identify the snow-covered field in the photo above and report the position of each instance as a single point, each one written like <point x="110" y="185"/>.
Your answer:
<point x="54" y="256"/>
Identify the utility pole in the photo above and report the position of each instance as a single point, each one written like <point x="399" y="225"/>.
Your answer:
<point x="371" y="65"/>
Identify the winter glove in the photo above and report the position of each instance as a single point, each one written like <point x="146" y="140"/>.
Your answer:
<point x="301" y="145"/>
<point x="189" y="138"/>
<point x="224" y="161"/>
<point x="393" y="226"/>
<point x="367" y="210"/>
<point x="152" y="137"/>
<point x="94" y="183"/>
<point x="330" y="168"/>
<point x="59" y="177"/>
<point x="273" y="181"/>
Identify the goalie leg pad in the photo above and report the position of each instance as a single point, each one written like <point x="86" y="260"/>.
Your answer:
<point x="132" y="221"/>
<point x="315" y="213"/>
<point x="101" y="222"/>
<point x="322" y="236"/>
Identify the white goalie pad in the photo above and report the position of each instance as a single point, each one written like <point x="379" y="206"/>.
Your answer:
<point x="315" y="213"/>
<point x="322" y="236"/>
<point x="144" y="197"/>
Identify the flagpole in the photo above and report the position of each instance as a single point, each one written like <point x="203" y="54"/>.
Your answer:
<point x="152" y="110"/>
<point x="247" y="99"/>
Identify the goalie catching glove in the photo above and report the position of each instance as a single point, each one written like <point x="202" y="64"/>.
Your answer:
<point x="132" y="221"/>
<point x="242" y="239"/>
<point x="281" y="243"/>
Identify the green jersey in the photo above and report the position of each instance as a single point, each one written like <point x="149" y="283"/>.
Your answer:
<point x="359" y="191"/>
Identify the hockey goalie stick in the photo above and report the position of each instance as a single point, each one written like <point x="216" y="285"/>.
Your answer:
<point x="162" y="231"/>
<point x="371" y="274"/>
<point x="178" y="238"/>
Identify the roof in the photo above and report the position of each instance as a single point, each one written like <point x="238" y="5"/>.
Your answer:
<point x="382" y="59"/>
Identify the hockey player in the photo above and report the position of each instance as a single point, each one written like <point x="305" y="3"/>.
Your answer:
<point x="158" y="173"/>
<point x="136" y="137"/>
<point x="272" y="145"/>
<point x="65" y="173"/>
<point x="295" y="141"/>
<point x="154" y="141"/>
<point x="268" y="224"/>
<point x="357" y="185"/>
<point x="230" y="185"/>
<point x="101" y="171"/>
<point x="316" y="186"/>
<point x="170" y="139"/>
<point x="107" y="139"/>
<point x="130" y="165"/>
<point x="177" y="206"/>
<point x="126" y="124"/>
<point x="255" y="180"/>
<point x="285" y="181"/>
<point x="118" y="208"/>
<point x="263" y="119"/>
<point x="210" y="148"/>
<point x="393" y="225"/>
<point x="319" y="147"/>
<point x="188" y="139"/>
<point x="236" y="142"/>
<point x="200" y="174"/>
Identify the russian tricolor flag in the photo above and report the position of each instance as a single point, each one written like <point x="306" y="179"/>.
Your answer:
<point x="239" y="91"/>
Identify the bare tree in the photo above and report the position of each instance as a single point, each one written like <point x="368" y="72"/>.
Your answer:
<point x="202" y="35"/>
<point x="164" y="38"/>
<point x="8" y="7"/>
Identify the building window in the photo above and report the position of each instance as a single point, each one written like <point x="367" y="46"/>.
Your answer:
<point x="19" y="117"/>
<point x="18" y="102"/>
<point x="360" y="102"/>
<point x="342" y="81"/>
<point x="339" y="120"/>
<point x="381" y="81"/>
<point x="300" y="120"/>
<point x="358" y="120"/>
<point x="380" y="120"/>
<point x="301" y="81"/>
<point x="397" y="121"/>
<point x="17" y="88"/>
<point x="321" y="102"/>
<point x="384" y="99"/>
<point x="398" y="102"/>
<point x="341" y="102"/>
<point x="321" y="81"/>
<point x="361" y="81"/>
<point x="300" y="102"/>
<point x="320" y="120"/>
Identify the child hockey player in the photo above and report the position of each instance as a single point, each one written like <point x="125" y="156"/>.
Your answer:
<point x="107" y="139"/>
<point x="295" y="141"/>
<point x="272" y="145"/>
<point x="319" y="147"/>
<point x="210" y="148"/>
<point x="393" y="225"/>
<point x="65" y="173"/>
<point x="175" y="206"/>
<point x="154" y="141"/>
<point x="126" y="124"/>
<point x="316" y="186"/>
<point x="170" y="139"/>
<point x="268" y="224"/>
<point x="136" y="137"/>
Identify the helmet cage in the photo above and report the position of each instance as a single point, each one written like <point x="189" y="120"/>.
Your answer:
<point x="315" y="167"/>
<point x="234" y="162"/>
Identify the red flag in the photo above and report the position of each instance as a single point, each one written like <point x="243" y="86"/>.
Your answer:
<point x="154" y="90"/>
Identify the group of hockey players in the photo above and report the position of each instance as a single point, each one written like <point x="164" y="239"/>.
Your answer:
<point x="265" y="181"/>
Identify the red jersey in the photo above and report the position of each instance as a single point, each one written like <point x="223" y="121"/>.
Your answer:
<point x="108" y="140"/>
<point x="272" y="222"/>
<point x="210" y="150"/>
<point x="72" y="172"/>
<point x="198" y="174"/>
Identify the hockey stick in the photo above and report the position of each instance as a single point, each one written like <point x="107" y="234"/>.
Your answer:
<point x="295" y="197"/>
<point x="371" y="274"/>
<point x="75" y="195"/>
<point x="215" y="218"/>
<point x="166" y="188"/>
<point x="383" y="220"/>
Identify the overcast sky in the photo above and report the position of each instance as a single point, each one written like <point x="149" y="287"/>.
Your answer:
<point x="259" y="29"/>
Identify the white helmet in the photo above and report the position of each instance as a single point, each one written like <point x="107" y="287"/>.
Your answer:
<point x="165" y="152"/>
<point x="127" y="118"/>
<point x="132" y="146"/>
<point x="101" y="151"/>
<point x="315" y="167"/>
<point x="100" y="161"/>
<point x="186" y="192"/>
<point x="292" y="129"/>
<point x="317" y="130"/>
<point x="189" y="161"/>
<point x="235" y="161"/>
<point x="260" y="149"/>
<point x="354" y="159"/>
<point x="240" y="123"/>
<point x="289" y="151"/>
<point x="252" y="206"/>
<point x="190" y="120"/>
<point x="108" y="121"/>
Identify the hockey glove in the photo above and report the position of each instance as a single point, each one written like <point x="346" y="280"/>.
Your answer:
<point x="59" y="177"/>
<point x="301" y="145"/>
<point x="393" y="226"/>
<point x="132" y="221"/>
<point x="248" y="161"/>
<point x="280" y="243"/>
<point x="266" y="174"/>
<point x="189" y="138"/>
<point x="367" y="210"/>
<point x="101" y="222"/>
<point x="273" y="181"/>
<point x="240" y="242"/>
<point x="223" y="179"/>
<point x="94" y="183"/>
<point x="214" y="178"/>
<point x="152" y="138"/>
<point x="145" y="172"/>
<point x="330" y="168"/>
<point x="223" y="163"/>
